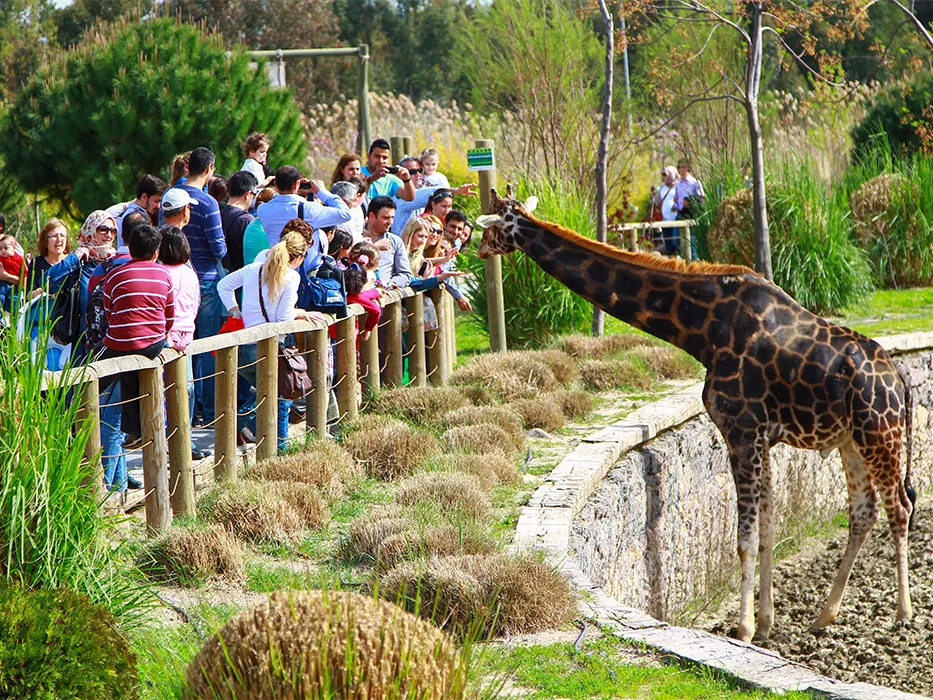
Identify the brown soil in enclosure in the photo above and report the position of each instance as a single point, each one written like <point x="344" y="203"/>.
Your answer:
<point x="864" y="644"/>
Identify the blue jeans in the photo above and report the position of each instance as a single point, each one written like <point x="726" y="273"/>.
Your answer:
<point x="111" y="439"/>
<point x="210" y="318"/>
<point x="246" y="355"/>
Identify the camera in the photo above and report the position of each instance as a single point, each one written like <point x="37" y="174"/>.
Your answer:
<point x="392" y="169"/>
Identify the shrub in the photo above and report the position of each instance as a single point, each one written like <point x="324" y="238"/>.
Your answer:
<point x="305" y="499"/>
<point x="621" y="373"/>
<point x="491" y="469"/>
<point x="588" y="347"/>
<point x="510" y="422"/>
<point x="117" y="78"/>
<point x="498" y="594"/>
<point x="326" y="465"/>
<point x="479" y="439"/>
<point x="513" y="375"/>
<point x="420" y="404"/>
<point x="389" y="448"/>
<point x="668" y="362"/>
<point x="253" y="511"/>
<point x="556" y="310"/>
<point x="58" y="644"/>
<point x="901" y="113"/>
<point x="458" y="493"/>
<point x="573" y="404"/>
<point x="190" y="557"/>
<point x="319" y="644"/>
<point x="541" y="412"/>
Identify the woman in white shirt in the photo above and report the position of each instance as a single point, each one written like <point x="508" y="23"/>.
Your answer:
<point x="669" y="239"/>
<point x="279" y="290"/>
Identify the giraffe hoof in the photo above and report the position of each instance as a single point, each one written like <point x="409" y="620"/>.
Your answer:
<point x="760" y="639"/>
<point x="818" y="631"/>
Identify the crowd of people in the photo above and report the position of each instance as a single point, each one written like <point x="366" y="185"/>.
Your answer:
<point x="204" y="254"/>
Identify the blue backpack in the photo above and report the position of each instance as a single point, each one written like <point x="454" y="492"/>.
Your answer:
<point x="324" y="294"/>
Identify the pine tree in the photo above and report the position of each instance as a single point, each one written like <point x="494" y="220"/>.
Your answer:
<point x="127" y="98"/>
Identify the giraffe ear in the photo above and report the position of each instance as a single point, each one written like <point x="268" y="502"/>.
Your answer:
<point x="531" y="204"/>
<point x="487" y="220"/>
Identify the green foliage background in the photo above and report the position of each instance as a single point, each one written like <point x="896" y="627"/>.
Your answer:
<point x="129" y="97"/>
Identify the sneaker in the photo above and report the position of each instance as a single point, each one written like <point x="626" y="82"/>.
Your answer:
<point x="133" y="483"/>
<point x="247" y="435"/>
<point x="197" y="454"/>
<point x="131" y="442"/>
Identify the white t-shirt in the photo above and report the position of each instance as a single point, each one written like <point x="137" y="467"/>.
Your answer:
<point x="280" y="309"/>
<point x="253" y="166"/>
<point x="666" y="195"/>
<point x="436" y="180"/>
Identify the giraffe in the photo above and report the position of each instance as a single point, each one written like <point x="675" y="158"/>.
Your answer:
<point x="775" y="373"/>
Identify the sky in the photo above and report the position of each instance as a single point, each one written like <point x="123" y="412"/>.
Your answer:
<point x="61" y="3"/>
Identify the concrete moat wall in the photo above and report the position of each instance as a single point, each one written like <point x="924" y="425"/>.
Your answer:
<point x="659" y="531"/>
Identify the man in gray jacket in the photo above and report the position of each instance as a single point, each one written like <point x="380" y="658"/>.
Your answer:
<point x="394" y="267"/>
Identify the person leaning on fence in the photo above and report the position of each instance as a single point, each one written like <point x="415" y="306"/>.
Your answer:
<point x="394" y="268"/>
<point x="140" y="304"/>
<point x="279" y="290"/>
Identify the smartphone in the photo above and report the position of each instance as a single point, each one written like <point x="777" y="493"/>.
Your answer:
<point x="392" y="169"/>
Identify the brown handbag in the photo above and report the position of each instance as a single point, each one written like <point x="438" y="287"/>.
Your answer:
<point x="294" y="382"/>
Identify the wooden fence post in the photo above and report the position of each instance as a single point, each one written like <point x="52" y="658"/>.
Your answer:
<point x="155" y="449"/>
<point x="494" y="295"/>
<point x="414" y="307"/>
<point x="347" y="384"/>
<point x="369" y="362"/>
<point x="437" y="342"/>
<point x="181" y="473"/>
<point x="406" y="146"/>
<point x="364" y="128"/>
<point x="398" y="148"/>
<point x="90" y="411"/>
<point x="267" y="398"/>
<point x="316" y="401"/>
<point x="392" y="352"/>
<point x="686" y="249"/>
<point x="451" y="332"/>
<point x="225" y="454"/>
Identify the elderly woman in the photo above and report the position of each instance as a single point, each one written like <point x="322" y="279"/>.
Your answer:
<point x="668" y="240"/>
<point x="53" y="259"/>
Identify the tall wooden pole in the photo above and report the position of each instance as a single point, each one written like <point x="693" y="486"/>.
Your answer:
<point x="494" y="296"/>
<point x="363" y="125"/>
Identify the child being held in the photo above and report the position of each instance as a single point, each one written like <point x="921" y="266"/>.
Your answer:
<point x="430" y="161"/>
<point x="12" y="270"/>
<point x="364" y="259"/>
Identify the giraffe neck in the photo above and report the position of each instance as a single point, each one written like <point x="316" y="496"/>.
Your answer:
<point x="684" y="309"/>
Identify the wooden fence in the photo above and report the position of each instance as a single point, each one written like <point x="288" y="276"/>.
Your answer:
<point x="169" y="482"/>
<point x="628" y="233"/>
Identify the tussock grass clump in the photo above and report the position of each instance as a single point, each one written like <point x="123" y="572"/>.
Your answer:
<point x="478" y="395"/>
<point x="519" y="374"/>
<point x="540" y="412"/>
<point x="573" y="404"/>
<point x="326" y="465"/>
<point x="668" y="362"/>
<point x="420" y="404"/>
<point x="317" y="644"/>
<point x="498" y="593"/>
<point x="455" y="492"/>
<point x="479" y="439"/>
<point x="305" y="499"/>
<point x="588" y="347"/>
<point x="490" y="469"/>
<point x="621" y="373"/>
<point x="389" y="448"/>
<point x="509" y="421"/>
<point x="392" y="535"/>
<point x="190" y="557"/>
<point x="252" y="511"/>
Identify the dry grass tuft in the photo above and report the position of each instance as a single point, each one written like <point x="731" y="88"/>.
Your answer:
<point x="509" y="421"/>
<point x="326" y="464"/>
<point x="498" y="593"/>
<point x="517" y="374"/>
<point x="621" y="373"/>
<point x="323" y="644"/>
<point x="540" y="412"/>
<point x="253" y="511"/>
<point x="479" y="439"/>
<point x="573" y="404"/>
<point x="189" y="557"/>
<point x="451" y="492"/>
<point x="479" y="396"/>
<point x="669" y="362"/>
<point x="305" y="499"/>
<point x="491" y="469"/>
<point x="420" y="404"/>
<point x="589" y="348"/>
<point x="389" y="449"/>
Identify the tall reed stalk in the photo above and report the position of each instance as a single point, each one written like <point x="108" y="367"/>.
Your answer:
<point x="52" y="534"/>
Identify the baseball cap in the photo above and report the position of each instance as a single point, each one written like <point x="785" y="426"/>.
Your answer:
<point x="176" y="198"/>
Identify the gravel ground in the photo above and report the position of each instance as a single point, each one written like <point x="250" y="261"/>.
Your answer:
<point x="864" y="644"/>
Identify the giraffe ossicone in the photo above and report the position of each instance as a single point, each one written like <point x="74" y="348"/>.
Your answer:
<point x="775" y="373"/>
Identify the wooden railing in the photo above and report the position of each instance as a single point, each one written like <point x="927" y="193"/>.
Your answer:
<point x="168" y="474"/>
<point x="628" y="233"/>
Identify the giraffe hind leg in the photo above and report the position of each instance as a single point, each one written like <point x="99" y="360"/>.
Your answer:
<point x="863" y="513"/>
<point x="765" y="552"/>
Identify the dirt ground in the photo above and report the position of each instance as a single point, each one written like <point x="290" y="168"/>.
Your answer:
<point x="864" y="644"/>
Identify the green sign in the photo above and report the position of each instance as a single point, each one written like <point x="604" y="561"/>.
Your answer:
<point x="480" y="159"/>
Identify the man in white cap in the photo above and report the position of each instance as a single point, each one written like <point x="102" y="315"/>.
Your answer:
<point x="176" y="207"/>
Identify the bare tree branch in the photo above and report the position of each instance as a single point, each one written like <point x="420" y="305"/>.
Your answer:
<point x="799" y="59"/>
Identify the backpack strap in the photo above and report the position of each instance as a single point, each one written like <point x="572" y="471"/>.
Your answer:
<point x="301" y="210"/>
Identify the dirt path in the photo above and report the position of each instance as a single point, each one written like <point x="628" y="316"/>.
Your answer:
<point x="864" y="644"/>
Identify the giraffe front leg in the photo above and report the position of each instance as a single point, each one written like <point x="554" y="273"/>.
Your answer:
<point x="746" y="472"/>
<point x="765" y="553"/>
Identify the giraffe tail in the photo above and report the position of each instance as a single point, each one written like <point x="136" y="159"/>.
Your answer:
<point x="909" y="491"/>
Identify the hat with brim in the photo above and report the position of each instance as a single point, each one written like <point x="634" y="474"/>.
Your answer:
<point x="175" y="199"/>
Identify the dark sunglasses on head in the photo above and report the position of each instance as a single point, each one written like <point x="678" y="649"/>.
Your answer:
<point x="442" y="194"/>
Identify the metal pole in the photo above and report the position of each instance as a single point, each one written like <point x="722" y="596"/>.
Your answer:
<point x="628" y="87"/>
<point x="363" y="124"/>
<point x="494" y="296"/>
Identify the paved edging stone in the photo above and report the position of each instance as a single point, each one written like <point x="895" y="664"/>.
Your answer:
<point x="545" y="525"/>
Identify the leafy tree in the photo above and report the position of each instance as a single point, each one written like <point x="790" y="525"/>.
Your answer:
<point x="73" y="20"/>
<point x="129" y="97"/>
<point x="902" y="113"/>
<point x="25" y="28"/>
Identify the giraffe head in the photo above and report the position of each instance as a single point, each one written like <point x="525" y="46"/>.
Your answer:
<point x="498" y="238"/>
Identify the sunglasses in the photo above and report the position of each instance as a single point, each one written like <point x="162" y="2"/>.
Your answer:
<point x="416" y="171"/>
<point x="112" y="230"/>
<point x="443" y="194"/>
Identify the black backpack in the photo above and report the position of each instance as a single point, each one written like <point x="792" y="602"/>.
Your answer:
<point x="66" y="312"/>
<point x="96" y="323"/>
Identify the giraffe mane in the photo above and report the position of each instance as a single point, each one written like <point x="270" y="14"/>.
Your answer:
<point x="642" y="259"/>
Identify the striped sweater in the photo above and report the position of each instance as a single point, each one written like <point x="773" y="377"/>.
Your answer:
<point x="140" y="305"/>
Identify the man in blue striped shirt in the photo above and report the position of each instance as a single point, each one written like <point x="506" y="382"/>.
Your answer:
<point x="205" y="235"/>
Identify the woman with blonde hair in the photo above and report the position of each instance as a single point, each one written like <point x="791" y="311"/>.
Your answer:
<point x="415" y="237"/>
<point x="180" y="169"/>
<point x="270" y="291"/>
